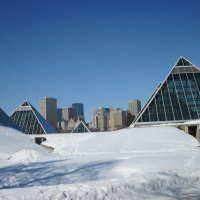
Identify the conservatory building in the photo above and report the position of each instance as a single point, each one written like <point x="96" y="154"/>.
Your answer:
<point x="176" y="101"/>
<point x="30" y="120"/>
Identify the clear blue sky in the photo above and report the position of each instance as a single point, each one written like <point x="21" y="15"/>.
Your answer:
<point x="99" y="52"/>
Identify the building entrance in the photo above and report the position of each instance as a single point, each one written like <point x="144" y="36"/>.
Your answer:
<point x="192" y="130"/>
<point x="39" y="140"/>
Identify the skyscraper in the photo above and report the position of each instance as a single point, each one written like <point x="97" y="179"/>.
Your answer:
<point x="134" y="107"/>
<point x="101" y="119"/>
<point x="48" y="109"/>
<point x="69" y="113"/>
<point x="112" y="119"/>
<point x="80" y="109"/>
<point x="119" y="119"/>
<point x="59" y="114"/>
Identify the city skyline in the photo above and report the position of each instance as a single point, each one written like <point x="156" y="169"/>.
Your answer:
<point x="99" y="53"/>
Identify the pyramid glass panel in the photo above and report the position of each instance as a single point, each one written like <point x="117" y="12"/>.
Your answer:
<point x="177" y="98"/>
<point x="25" y="104"/>
<point x="81" y="128"/>
<point x="30" y="120"/>
<point x="183" y="62"/>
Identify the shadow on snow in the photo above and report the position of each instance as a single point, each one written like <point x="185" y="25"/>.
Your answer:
<point x="53" y="173"/>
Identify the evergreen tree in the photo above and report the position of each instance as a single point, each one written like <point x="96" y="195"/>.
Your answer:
<point x="129" y="119"/>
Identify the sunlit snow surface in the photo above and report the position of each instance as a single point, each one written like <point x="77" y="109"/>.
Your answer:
<point x="137" y="163"/>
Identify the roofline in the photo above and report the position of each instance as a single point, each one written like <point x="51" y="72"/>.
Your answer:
<point x="175" y="122"/>
<point x="38" y="120"/>
<point x="20" y="106"/>
<point x="187" y="61"/>
<point x="48" y="98"/>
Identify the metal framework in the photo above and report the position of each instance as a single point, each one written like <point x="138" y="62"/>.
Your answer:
<point x="30" y="120"/>
<point x="81" y="128"/>
<point x="176" y="99"/>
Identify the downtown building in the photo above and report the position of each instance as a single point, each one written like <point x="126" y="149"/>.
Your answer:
<point x="69" y="113"/>
<point x="80" y="109"/>
<point x="134" y="107"/>
<point x="119" y="119"/>
<point x="176" y="101"/>
<point x="69" y="118"/>
<point x="48" y="109"/>
<point x="108" y="119"/>
<point x="101" y="119"/>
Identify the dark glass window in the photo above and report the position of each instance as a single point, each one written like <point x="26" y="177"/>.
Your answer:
<point x="145" y="116"/>
<point x="160" y="106"/>
<point x="152" y="111"/>
<point x="27" y="122"/>
<point x="179" y="96"/>
<point x="168" y="87"/>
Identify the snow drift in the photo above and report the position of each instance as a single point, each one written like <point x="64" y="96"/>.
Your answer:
<point x="135" y="163"/>
<point x="154" y="139"/>
<point x="17" y="147"/>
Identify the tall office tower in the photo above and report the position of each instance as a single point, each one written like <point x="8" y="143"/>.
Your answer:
<point x="112" y="119"/>
<point x="119" y="119"/>
<point x="101" y="119"/>
<point x="69" y="113"/>
<point x="48" y="109"/>
<point x="80" y="108"/>
<point x="59" y="115"/>
<point x="134" y="107"/>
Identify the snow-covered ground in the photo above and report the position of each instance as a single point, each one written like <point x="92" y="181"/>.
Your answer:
<point x="135" y="163"/>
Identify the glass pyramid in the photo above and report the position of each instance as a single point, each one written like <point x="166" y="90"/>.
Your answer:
<point x="176" y="99"/>
<point x="30" y="120"/>
<point x="6" y="121"/>
<point x="81" y="128"/>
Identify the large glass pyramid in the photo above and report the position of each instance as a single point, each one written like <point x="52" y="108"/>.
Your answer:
<point x="6" y="121"/>
<point x="30" y="120"/>
<point x="176" y="99"/>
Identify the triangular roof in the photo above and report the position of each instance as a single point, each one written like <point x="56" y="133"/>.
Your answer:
<point x="81" y="128"/>
<point x="183" y="62"/>
<point x="6" y="121"/>
<point x="30" y="120"/>
<point x="182" y="66"/>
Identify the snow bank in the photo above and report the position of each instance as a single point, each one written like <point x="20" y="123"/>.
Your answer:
<point x="137" y="163"/>
<point x="24" y="156"/>
<point x="154" y="139"/>
<point x="152" y="186"/>
<point x="17" y="147"/>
